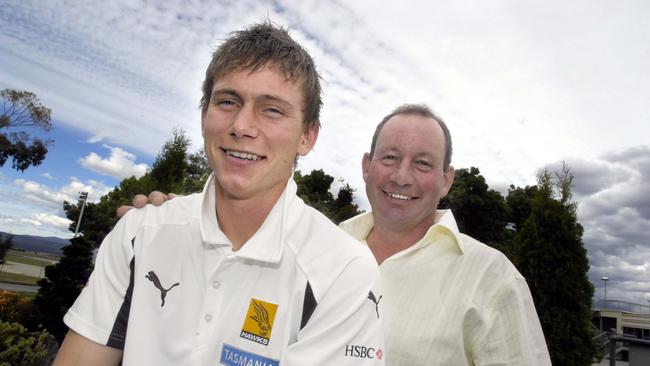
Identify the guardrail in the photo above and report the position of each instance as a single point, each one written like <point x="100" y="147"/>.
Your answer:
<point x="618" y="305"/>
<point x="639" y="349"/>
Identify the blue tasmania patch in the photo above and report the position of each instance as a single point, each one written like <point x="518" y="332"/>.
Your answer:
<point x="232" y="356"/>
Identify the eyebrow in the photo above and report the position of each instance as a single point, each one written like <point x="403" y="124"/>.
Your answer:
<point x="229" y="91"/>
<point x="396" y="149"/>
<point x="262" y="97"/>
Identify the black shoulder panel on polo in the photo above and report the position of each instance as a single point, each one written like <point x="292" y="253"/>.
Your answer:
<point x="118" y="334"/>
<point x="308" y="306"/>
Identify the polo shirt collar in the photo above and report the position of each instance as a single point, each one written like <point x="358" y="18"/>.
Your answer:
<point x="361" y="225"/>
<point x="267" y="244"/>
<point x="445" y="221"/>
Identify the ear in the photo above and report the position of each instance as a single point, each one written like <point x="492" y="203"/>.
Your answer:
<point x="308" y="140"/>
<point x="448" y="177"/>
<point x="365" y="165"/>
<point x="203" y="113"/>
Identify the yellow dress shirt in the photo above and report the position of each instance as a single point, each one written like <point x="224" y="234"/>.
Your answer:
<point x="451" y="300"/>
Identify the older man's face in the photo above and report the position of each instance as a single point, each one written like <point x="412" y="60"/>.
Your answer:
<point x="405" y="179"/>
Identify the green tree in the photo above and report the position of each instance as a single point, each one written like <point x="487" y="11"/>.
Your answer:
<point x="172" y="163"/>
<point x="549" y="253"/>
<point x="314" y="189"/>
<point x="174" y="170"/>
<point x="22" y="109"/>
<point x="62" y="284"/>
<point x="20" y="348"/>
<point x="198" y="171"/>
<point x="343" y="206"/>
<point x="480" y="212"/>
<point x="6" y="243"/>
<point x="518" y="201"/>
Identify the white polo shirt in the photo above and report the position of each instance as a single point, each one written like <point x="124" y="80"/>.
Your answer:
<point x="168" y="289"/>
<point x="451" y="300"/>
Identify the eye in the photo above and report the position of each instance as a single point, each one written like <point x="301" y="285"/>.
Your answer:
<point x="424" y="165"/>
<point x="389" y="159"/>
<point x="274" y="111"/>
<point x="226" y="103"/>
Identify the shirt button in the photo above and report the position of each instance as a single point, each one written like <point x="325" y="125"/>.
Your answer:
<point x="216" y="284"/>
<point x="207" y="317"/>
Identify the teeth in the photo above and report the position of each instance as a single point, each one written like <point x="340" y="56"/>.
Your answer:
<point x="400" y="196"/>
<point x="243" y="155"/>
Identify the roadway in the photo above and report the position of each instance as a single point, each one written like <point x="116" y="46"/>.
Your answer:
<point x="14" y="287"/>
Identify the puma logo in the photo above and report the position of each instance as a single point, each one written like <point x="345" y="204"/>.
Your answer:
<point x="151" y="276"/>
<point x="375" y="300"/>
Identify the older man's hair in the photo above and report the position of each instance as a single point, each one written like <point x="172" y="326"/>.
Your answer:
<point x="422" y="110"/>
<point x="266" y="44"/>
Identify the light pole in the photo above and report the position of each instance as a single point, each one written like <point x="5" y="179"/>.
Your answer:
<point x="83" y="196"/>
<point x="605" y="279"/>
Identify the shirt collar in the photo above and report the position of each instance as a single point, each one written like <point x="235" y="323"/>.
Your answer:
<point x="445" y="223"/>
<point x="267" y="243"/>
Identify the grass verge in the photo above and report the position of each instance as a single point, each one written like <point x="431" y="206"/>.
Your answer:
<point x="18" y="279"/>
<point x="22" y="258"/>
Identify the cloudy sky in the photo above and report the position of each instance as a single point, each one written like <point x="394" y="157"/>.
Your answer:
<point x="522" y="85"/>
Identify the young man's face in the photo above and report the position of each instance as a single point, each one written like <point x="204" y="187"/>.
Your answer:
<point x="253" y="130"/>
<point x="405" y="179"/>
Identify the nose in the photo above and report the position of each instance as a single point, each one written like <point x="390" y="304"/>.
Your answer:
<point x="244" y="123"/>
<point x="402" y="174"/>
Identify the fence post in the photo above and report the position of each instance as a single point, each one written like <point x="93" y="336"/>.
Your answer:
<point x="612" y="347"/>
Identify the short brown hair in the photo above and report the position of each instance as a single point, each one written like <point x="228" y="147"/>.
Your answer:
<point x="422" y="110"/>
<point x="257" y="46"/>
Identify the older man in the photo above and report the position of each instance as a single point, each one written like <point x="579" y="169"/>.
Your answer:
<point x="448" y="299"/>
<point x="243" y="273"/>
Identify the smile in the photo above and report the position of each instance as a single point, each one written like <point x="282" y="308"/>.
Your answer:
<point x="243" y="155"/>
<point x="400" y="196"/>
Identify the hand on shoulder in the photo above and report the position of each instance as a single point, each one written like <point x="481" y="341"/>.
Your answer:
<point x="155" y="198"/>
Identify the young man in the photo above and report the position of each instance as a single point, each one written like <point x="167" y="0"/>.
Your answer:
<point x="243" y="273"/>
<point x="448" y="299"/>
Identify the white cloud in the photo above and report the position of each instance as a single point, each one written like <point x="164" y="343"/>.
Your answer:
<point x="48" y="176"/>
<point x="95" y="139"/>
<point x="34" y="208"/>
<point x="614" y="202"/>
<point x="42" y="218"/>
<point x="120" y="164"/>
<point x="6" y="219"/>
<point x="43" y="194"/>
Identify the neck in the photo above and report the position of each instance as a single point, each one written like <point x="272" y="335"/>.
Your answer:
<point x="385" y="240"/>
<point x="239" y="219"/>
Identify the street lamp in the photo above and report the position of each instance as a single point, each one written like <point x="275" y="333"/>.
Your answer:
<point x="83" y="197"/>
<point x="605" y="279"/>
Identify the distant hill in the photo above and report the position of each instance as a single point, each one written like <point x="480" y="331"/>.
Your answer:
<point x="51" y="245"/>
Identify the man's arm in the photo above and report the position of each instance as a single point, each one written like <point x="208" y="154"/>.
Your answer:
<point x="514" y="335"/>
<point x="95" y="337"/>
<point x="78" y="350"/>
